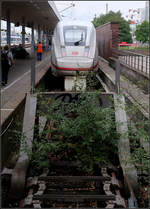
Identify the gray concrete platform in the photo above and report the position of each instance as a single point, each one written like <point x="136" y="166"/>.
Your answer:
<point x="19" y="83"/>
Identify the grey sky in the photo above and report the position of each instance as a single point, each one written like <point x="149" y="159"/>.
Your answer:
<point x="86" y="10"/>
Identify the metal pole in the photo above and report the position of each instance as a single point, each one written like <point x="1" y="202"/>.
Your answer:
<point x="47" y="39"/>
<point x="135" y="62"/>
<point x="131" y="60"/>
<point x="33" y="60"/>
<point x="138" y="62"/>
<point x="146" y="63"/>
<point x="142" y="64"/>
<point x="0" y="71"/>
<point x="43" y="38"/>
<point x="8" y="28"/>
<point x="39" y="33"/>
<point x="23" y="32"/>
<point x="117" y="77"/>
<point x="0" y="44"/>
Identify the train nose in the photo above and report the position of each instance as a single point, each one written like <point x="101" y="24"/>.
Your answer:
<point x="75" y="63"/>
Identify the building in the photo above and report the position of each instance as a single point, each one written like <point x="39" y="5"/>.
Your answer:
<point x="145" y="12"/>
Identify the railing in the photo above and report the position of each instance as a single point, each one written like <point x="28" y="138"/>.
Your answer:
<point x="137" y="61"/>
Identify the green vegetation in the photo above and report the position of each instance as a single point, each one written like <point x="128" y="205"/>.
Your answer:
<point x="85" y="132"/>
<point x="138" y="135"/>
<point x="142" y="32"/>
<point x="124" y="28"/>
<point x="134" y="47"/>
<point x="82" y="131"/>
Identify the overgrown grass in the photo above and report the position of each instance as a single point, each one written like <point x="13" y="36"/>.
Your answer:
<point x="134" y="48"/>
<point x="83" y="131"/>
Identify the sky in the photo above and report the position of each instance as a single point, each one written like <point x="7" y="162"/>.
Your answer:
<point x="86" y="10"/>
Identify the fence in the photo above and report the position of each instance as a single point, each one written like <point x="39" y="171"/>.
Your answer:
<point x="137" y="61"/>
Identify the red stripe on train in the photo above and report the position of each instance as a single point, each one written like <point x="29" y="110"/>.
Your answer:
<point x="74" y="69"/>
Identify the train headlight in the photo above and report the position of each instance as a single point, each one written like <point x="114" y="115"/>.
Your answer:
<point x="63" y="51"/>
<point x="86" y="51"/>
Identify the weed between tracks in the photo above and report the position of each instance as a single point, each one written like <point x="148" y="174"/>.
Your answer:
<point x="80" y="131"/>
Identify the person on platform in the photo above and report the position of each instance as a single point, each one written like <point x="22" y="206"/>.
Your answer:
<point x="21" y="53"/>
<point x="39" y="51"/>
<point x="6" y="63"/>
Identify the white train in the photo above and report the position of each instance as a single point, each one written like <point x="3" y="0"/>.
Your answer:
<point x="73" y="48"/>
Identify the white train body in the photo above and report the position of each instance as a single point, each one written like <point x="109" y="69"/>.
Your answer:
<point x="73" y="48"/>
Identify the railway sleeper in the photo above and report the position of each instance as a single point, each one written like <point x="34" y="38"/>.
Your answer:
<point x="75" y="178"/>
<point x="76" y="189"/>
<point x="73" y="198"/>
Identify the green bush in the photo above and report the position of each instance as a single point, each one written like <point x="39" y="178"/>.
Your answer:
<point x="83" y="131"/>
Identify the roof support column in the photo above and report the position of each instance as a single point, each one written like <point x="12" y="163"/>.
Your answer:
<point x="47" y="42"/>
<point x="23" y="32"/>
<point x="39" y="33"/>
<point x="0" y="45"/>
<point x="43" y="37"/>
<point x="8" y="28"/>
<point x="33" y="60"/>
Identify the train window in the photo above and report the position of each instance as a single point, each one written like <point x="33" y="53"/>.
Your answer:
<point x="75" y="36"/>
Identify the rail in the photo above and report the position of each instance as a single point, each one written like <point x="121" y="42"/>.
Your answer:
<point x="137" y="61"/>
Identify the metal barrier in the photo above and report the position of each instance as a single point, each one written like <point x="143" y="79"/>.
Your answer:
<point x="137" y="61"/>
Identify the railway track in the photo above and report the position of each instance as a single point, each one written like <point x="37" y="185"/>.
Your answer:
<point x="65" y="185"/>
<point x="60" y="188"/>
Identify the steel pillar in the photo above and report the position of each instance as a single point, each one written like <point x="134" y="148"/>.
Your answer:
<point x="0" y="50"/>
<point x="23" y="31"/>
<point x="8" y="28"/>
<point x="117" y="77"/>
<point x="33" y="60"/>
<point x="43" y="36"/>
<point x="39" y="33"/>
<point x="47" y="41"/>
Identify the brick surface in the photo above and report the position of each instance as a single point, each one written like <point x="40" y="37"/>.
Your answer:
<point x="107" y="40"/>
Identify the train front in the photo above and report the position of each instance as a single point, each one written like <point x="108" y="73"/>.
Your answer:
<point x="75" y="49"/>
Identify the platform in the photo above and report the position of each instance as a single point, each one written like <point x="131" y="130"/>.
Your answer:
<point x="19" y="83"/>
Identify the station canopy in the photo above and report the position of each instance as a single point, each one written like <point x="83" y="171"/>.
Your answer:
<point x="39" y="12"/>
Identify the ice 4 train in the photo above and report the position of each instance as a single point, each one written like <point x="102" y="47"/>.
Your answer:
<point x="73" y="48"/>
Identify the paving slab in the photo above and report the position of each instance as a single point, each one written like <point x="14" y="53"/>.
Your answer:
<point x="13" y="94"/>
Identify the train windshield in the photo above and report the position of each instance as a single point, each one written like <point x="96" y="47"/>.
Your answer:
<point x="75" y="35"/>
